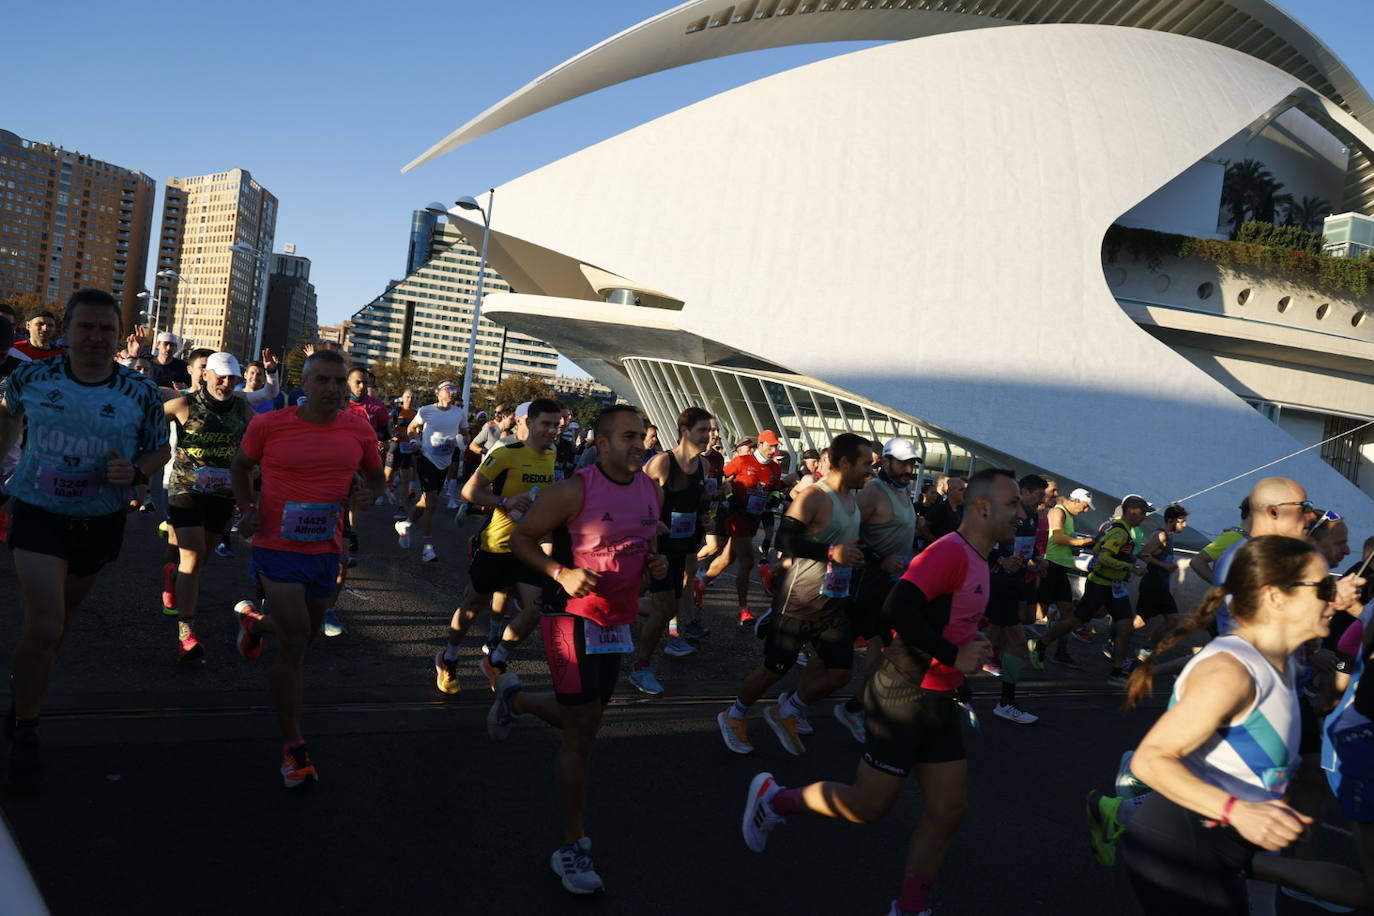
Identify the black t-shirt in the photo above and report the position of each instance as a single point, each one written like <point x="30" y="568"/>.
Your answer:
<point x="942" y="519"/>
<point x="173" y="375"/>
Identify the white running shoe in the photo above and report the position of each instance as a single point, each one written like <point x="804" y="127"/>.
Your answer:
<point x="853" y="721"/>
<point x="572" y="862"/>
<point x="678" y="647"/>
<point x="785" y="727"/>
<point x="759" y="819"/>
<point x="403" y="534"/>
<point x="734" y="732"/>
<point x="1009" y="712"/>
<point x="804" y="726"/>
<point x="502" y="712"/>
<point x="427" y="554"/>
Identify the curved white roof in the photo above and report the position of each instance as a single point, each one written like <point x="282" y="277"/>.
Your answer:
<point x="701" y="30"/>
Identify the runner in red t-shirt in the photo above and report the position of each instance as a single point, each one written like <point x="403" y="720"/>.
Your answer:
<point x="310" y="457"/>
<point x="913" y="723"/>
<point x="753" y="475"/>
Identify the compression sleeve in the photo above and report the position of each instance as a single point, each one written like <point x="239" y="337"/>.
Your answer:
<point x="791" y="542"/>
<point x="914" y="616"/>
<point x="1108" y="548"/>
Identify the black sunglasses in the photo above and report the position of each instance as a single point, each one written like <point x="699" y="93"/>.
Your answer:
<point x="1326" y="588"/>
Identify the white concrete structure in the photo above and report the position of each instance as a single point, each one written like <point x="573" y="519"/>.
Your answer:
<point x="807" y="224"/>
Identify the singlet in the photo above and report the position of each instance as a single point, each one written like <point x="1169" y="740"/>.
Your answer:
<point x="441" y="434"/>
<point x="820" y="588"/>
<point x="207" y="443"/>
<point x="1346" y="728"/>
<point x="400" y="422"/>
<point x="896" y="536"/>
<point x="753" y="481"/>
<point x="1155" y="578"/>
<point x="954" y="578"/>
<point x="512" y="470"/>
<point x="1253" y="760"/>
<point x="1116" y="542"/>
<point x="683" y="500"/>
<point x="843" y="527"/>
<point x="72" y="429"/>
<point x="1021" y="545"/>
<point x="610" y="535"/>
<point x="307" y="472"/>
<point x="1061" y="554"/>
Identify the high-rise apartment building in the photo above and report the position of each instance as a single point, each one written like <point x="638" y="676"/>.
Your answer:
<point x="69" y="221"/>
<point x="291" y="317"/>
<point x="428" y="315"/>
<point x="217" y="234"/>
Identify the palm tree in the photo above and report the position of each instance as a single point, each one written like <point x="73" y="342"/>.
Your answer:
<point x="1250" y="191"/>
<point x="1309" y="213"/>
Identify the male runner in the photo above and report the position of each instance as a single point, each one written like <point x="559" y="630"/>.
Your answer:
<point x="400" y="466"/>
<point x="715" y="541"/>
<point x="440" y="428"/>
<point x="753" y="476"/>
<point x="95" y="429"/>
<point x="210" y="424"/>
<point x="819" y="543"/>
<point x="1055" y="591"/>
<point x="913" y="721"/>
<point x="42" y="328"/>
<point x="946" y="515"/>
<point x="887" y="528"/>
<point x="310" y="457"/>
<point x="509" y="480"/>
<point x="1010" y="561"/>
<point x="603" y="521"/>
<point x="681" y="472"/>
<point x="1155" y="601"/>
<point x="1203" y="561"/>
<point x="168" y="370"/>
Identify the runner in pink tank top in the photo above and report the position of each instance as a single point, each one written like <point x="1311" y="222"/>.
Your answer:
<point x="604" y="522"/>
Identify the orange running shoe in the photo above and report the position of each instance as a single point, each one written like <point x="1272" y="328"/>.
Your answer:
<point x="296" y="766"/>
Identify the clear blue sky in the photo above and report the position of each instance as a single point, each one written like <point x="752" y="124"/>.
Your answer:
<point x="324" y="103"/>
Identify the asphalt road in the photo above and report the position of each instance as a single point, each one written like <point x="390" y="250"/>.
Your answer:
<point x="163" y="794"/>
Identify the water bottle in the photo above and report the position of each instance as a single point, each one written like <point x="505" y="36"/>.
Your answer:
<point x="516" y="516"/>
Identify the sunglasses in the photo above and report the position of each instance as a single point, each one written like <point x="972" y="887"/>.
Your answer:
<point x="1326" y="588"/>
<point x="1304" y="505"/>
<point x="1330" y="515"/>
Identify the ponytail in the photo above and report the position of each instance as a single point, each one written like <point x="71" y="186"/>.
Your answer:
<point x="1142" y="678"/>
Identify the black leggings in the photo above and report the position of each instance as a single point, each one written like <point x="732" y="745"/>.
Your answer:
<point x="1179" y="867"/>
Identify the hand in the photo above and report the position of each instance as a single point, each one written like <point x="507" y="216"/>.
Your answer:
<point x="972" y="655"/>
<point x="1082" y="541"/>
<point x="846" y="555"/>
<point x="1172" y="567"/>
<point x="893" y="565"/>
<point x="1271" y="825"/>
<point x="248" y="522"/>
<point x="270" y="363"/>
<point x="517" y="504"/>
<point x="1348" y="592"/>
<point x="119" y="470"/>
<point x="661" y="530"/>
<point x="578" y="583"/>
<point x="309" y="350"/>
<point x="1140" y="569"/>
<point x="658" y="565"/>
<point x="1011" y="564"/>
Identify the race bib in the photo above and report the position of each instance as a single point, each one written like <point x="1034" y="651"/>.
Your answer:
<point x="309" y="521"/>
<point x="758" y="499"/>
<point x="406" y="447"/>
<point x="682" y="525"/>
<point x="1119" y="590"/>
<point x="70" y="485"/>
<point x="1023" y="547"/>
<point x="836" y="581"/>
<point x="608" y="640"/>
<point x="442" y="445"/>
<point x="211" y="480"/>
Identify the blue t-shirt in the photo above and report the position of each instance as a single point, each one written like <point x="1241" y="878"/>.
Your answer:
<point x="72" y="429"/>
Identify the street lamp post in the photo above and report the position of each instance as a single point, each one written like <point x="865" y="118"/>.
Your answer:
<point x="155" y="316"/>
<point x="260" y="259"/>
<point x="469" y="203"/>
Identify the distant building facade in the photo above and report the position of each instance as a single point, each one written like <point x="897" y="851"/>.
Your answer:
<point x="291" y="316"/>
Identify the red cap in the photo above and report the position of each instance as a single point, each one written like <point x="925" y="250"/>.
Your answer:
<point x="768" y="436"/>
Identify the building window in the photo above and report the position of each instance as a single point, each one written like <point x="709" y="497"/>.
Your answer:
<point x="1343" y="451"/>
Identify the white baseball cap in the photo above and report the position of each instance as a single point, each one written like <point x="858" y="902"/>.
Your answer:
<point x="901" y="449"/>
<point x="523" y="410"/>
<point x="165" y="337"/>
<point x="223" y="364"/>
<point x="1082" y="496"/>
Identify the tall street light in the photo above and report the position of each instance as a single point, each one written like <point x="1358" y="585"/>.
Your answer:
<point x="469" y="203"/>
<point x="155" y="315"/>
<point x="260" y="265"/>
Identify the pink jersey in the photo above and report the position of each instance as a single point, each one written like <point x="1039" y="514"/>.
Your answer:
<point x="307" y="470"/>
<point x="612" y="535"/>
<point x="951" y="569"/>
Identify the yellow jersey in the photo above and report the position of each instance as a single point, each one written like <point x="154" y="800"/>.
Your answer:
<point x="512" y="470"/>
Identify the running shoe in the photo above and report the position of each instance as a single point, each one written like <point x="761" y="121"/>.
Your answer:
<point x="1327" y="905"/>
<point x="734" y="732"/>
<point x="461" y="515"/>
<point x="1103" y="828"/>
<point x="672" y="628"/>
<point x="352" y="538"/>
<point x="379" y="501"/>
<point x="678" y="647"/>
<point x="1128" y="785"/>
<point x="698" y="591"/>
<point x="860" y="642"/>
<point x="1118" y="679"/>
<point x="296" y="767"/>
<point x="852" y="721"/>
<point x="26" y="770"/>
<point x="502" y="712"/>
<point x="162" y="530"/>
<point x="785" y="727"/>
<point x="453" y="503"/>
<point x="1011" y="713"/>
<point x="493" y="672"/>
<point x="993" y="668"/>
<point x="803" y="659"/>
<point x="224" y="550"/>
<point x="745" y="617"/>
<point x="428" y="554"/>
<point x="1084" y="634"/>
<point x="351" y="562"/>
<point x="249" y="643"/>
<point x="1032" y="632"/>
<point x="898" y="911"/>
<point x="400" y="515"/>
<point x="333" y="626"/>
<point x="148" y="506"/>
<point x="804" y="727"/>
<point x="759" y="817"/>
<point x="1035" y="654"/>
<point x="446" y="673"/>
<point x="695" y="630"/>
<point x="190" y="648"/>
<point x="169" y="589"/>
<point x="572" y="863"/>
<point x="403" y="534"/>
<point x="766" y="577"/>
<point x="646" y="681"/>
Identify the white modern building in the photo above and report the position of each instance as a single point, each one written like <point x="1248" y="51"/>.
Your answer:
<point x="909" y="239"/>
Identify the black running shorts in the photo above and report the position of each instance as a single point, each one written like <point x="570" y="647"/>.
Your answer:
<point x="87" y="543"/>
<point x="431" y="477"/>
<point x="1098" y="601"/>
<point x="1152" y="601"/>
<point x="500" y="572"/>
<point x="578" y="677"/>
<point x="832" y="638"/>
<point x="200" y="510"/>
<point x="1004" y="597"/>
<point x="1054" y="588"/>
<point x="907" y="725"/>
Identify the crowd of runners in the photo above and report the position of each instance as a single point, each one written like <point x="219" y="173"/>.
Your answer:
<point x="607" y="540"/>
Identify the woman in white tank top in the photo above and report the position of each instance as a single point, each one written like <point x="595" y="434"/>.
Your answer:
<point x="1220" y="759"/>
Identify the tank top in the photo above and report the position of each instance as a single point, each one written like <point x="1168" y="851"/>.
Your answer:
<point x="1253" y="760"/>
<point x="611" y="535"/>
<point x="683" y="499"/>
<point x="843" y="527"/>
<point x="1156" y="578"/>
<point x="895" y="536"/>
<point x="813" y="589"/>
<point x="206" y="444"/>
<point x="1062" y="554"/>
